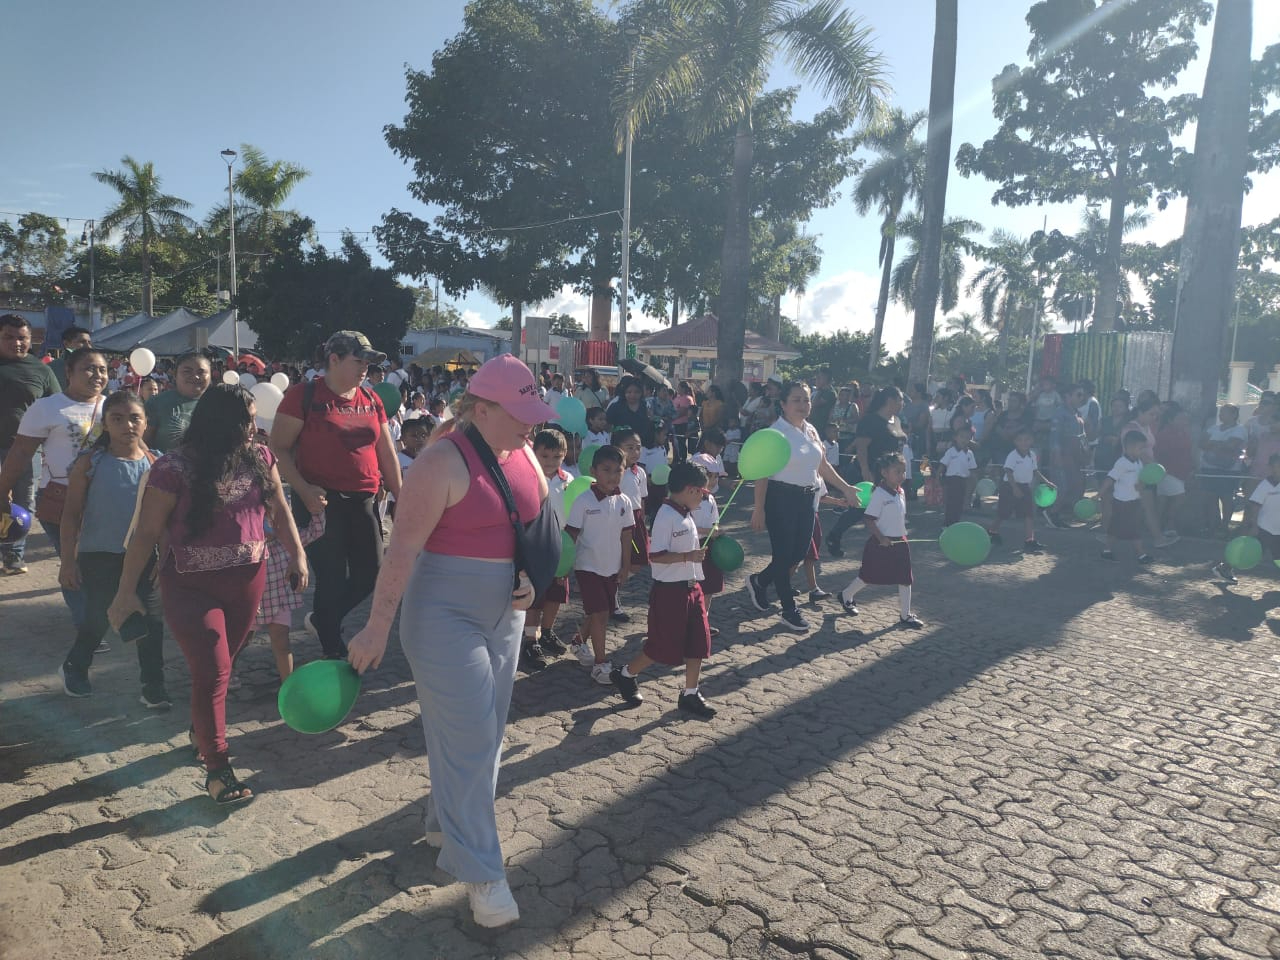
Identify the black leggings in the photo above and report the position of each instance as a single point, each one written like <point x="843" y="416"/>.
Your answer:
<point x="344" y="562"/>
<point x="788" y="516"/>
<point x="100" y="579"/>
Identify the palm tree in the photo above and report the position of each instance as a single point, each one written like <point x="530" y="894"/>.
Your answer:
<point x="886" y="184"/>
<point x="1076" y="275"/>
<point x="1008" y="287"/>
<point x="263" y="187"/>
<point x="942" y="96"/>
<point x="965" y="324"/>
<point x="713" y="57"/>
<point x="143" y="212"/>
<point x="956" y="241"/>
<point x="1211" y="237"/>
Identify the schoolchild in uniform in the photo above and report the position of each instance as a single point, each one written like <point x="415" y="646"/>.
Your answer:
<point x="678" y="629"/>
<point x="958" y="465"/>
<point x="540" y="638"/>
<point x="635" y="487"/>
<point x="886" y="559"/>
<point x="707" y="518"/>
<point x="709" y="457"/>
<point x="1262" y="517"/>
<point x="597" y="428"/>
<point x="1122" y="487"/>
<point x="1021" y="468"/>
<point x="600" y="522"/>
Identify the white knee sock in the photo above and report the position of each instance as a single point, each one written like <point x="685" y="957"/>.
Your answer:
<point x="849" y="592"/>
<point x="904" y="600"/>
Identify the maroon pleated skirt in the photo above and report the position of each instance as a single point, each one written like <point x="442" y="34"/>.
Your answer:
<point x="886" y="565"/>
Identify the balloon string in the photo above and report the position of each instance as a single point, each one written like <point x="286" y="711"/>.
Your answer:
<point x="723" y="509"/>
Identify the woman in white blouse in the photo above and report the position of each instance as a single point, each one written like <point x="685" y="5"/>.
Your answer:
<point x="785" y="505"/>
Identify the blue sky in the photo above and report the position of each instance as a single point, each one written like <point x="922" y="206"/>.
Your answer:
<point x="175" y="83"/>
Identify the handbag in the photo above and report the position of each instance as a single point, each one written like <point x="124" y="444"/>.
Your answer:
<point x="538" y="542"/>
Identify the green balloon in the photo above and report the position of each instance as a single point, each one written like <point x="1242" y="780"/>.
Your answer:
<point x="1045" y="495"/>
<point x="965" y="543"/>
<point x="986" y="487"/>
<point x="661" y="473"/>
<point x="575" y="489"/>
<point x="389" y="394"/>
<point x="1085" y="509"/>
<point x="1151" y="474"/>
<point x="727" y="554"/>
<point x="864" y="492"/>
<point x="318" y="696"/>
<point x="568" y="551"/>
<point x="586" y="457"/>
<point x="1244" y="553"/>
<point x="764" y="454"/>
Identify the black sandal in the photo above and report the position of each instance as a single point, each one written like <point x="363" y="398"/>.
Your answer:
<point x="195" y="748"/>
<point x="233" y="791"/>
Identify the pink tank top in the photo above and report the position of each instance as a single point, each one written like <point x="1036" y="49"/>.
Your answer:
<point x="478" y="525"/>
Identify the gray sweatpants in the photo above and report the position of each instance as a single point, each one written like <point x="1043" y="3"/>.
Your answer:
<point x="461" y="639"/>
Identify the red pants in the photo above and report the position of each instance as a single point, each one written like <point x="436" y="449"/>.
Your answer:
<point x="211" y="615"/>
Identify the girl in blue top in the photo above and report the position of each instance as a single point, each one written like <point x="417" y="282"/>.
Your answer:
<point x="102" y="490"/>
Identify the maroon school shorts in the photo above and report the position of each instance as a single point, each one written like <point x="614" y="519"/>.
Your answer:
<point x="1126" y="520"/>
<point x="1011" y="506"/>
<point x="557" y="592"/>
<point x="713" y="578"/>
<point x="678" y="628"/>
<point x="639" y="541"/>
<point x="599" y="594"/>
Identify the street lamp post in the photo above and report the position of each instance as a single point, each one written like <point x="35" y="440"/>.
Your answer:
<point x="90" y="229"/>
<point x="633" y="36"/>
<point x="229" y="155"/>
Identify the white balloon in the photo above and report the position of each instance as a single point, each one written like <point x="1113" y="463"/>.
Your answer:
<point x="248" y="380"/>
<point x="266" y="397"/>
<point x="231" y="378"/>
<point x="280" y="380"/>
<point x="143" y="361"/>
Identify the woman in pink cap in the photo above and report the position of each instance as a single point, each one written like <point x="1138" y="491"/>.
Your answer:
<point x="452" y="560"/>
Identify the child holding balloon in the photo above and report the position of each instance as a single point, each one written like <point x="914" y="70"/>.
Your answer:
<point x="706" y="516"/>
<point x="597" y="429"/>
<point x="1021" y="468"/>
<point x="540" y="637"/>
<point x="886" y="559"/>
<point x="958" y="464"/>
<point x="1122" y="487"/>
<point x="635" y="487"/>
<point x="1262" y="520"/>
<point x="678" y="629"/>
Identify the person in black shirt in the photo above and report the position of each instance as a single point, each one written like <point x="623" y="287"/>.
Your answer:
<point x="824" y="401"/>
<point x="878" y="433"/>
<point x="629" y="410"/>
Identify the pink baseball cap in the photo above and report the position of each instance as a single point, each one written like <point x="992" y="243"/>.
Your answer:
<point x="506" y="381"/>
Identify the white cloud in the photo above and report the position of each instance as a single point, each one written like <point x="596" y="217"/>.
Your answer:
<point x="473" y="318"/>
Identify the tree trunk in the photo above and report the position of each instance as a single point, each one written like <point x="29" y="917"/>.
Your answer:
<point x="148" y="303"/>
<point x="1107" y="309"/>
<point x="882" y="303"/>
<point x="603" y="269"/>
<point x="517" y="329"/>
<point x="942" y="90"/>
<point x="1002" y="355"/>
<point x="1211" y="237"/>
<point x="601" y="312"/>
<point x="735" y="260"/>
<point x="775" y="319"/>
<point x="675" y="309"/>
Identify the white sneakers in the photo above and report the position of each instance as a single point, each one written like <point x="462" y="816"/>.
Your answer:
<point x="602" y="673"/>
<point x="586" y="656"/>
<point x="492" y="904"/>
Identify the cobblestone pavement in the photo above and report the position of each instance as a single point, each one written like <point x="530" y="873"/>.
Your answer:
<point x="1073" y="759"/>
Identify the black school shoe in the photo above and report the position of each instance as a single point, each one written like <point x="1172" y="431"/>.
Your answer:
<point x="1224" y="572"/>
<point x="620" y="616"/>
<point x="694" y="704"/>
<point x="1032" y="546"/>
<point x="532" y="658"/>
<point x="758" y="595"/>
<point x="628" y="687"/>
<point x="551" y="643"/>
<point x="834" y="548"/>
<point x="155" y="698"/>
<point x="819" y="594"/>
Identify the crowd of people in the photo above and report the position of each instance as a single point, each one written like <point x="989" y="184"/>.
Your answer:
<point x="168" y="501"/>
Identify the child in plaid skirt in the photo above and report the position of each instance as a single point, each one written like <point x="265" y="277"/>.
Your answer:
<point x="279" y="598"/>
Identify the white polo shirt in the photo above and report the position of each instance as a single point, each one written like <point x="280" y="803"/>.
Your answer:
<point x="600" y="522"/>
<point x="707" y="515"/>
<point x="714" y="466"/>
<point x="1125" y="476"/>
<point x="1267" y="496"/>
<point x="959" y="463"/>
<point x="653" y="457"/>
<point x="1023" y="469"/>
<point x="600" y="439"/>
<point x="635" y="486"/>
<point x="555" y="493"/>
<point x="674" y="532"/>
<point x="889" y="511"/>
<point x="806" y="454"/>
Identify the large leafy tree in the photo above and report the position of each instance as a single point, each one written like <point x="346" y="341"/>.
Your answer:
<point x="303" y="294"/>
<point x="508" y="135"/>
<point x="885" y="185"/>
<point x="1211" y="239"/>
<point x="942" y="94"/>
<point x="144" y="212"/>
<point x="1086" y="118"/>
<point x="712" y="58"/>
<point x="37" y="248"/>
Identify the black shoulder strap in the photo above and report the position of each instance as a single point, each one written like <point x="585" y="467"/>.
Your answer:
<point x="308" y="398"/>
<point x="495" y="472"/>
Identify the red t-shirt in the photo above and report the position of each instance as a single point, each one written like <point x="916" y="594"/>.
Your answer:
<point x="336" y="448"/>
